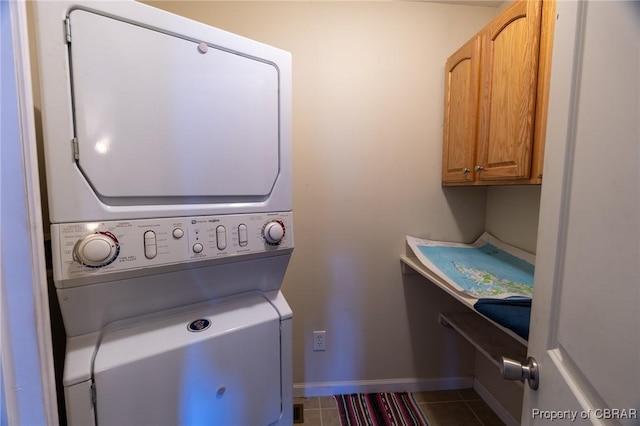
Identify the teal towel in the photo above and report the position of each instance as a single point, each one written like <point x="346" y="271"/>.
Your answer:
<point x="513" y="313"/>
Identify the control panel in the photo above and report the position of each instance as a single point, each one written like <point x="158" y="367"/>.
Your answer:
<point x="85" y="249"/>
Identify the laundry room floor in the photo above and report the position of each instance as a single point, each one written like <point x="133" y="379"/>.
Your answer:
<point x="441" y="408"/>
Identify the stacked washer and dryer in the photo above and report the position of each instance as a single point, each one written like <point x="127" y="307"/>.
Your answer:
<point x="168" y="160"/>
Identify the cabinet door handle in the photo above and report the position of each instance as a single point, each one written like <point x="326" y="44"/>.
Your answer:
<point x="479" y="168"/>
<point x="465" y="171"/>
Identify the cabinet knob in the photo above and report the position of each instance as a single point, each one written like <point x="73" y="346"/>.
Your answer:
<point x="465" y="171"/>
<point x="479" y="168"/>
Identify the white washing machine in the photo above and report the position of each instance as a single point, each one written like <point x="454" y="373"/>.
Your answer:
<point x="168" y="160"/>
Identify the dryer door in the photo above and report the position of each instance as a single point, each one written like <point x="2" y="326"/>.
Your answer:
<point x="161" y="372"/>
<point x="162" y="118"/>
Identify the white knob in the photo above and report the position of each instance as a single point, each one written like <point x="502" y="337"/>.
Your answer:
<point x="273" y="232"/>
<point x="96" y="250"/>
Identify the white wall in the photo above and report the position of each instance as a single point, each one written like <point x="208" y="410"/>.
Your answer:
<point x="512" y="214"/>
<point x="367" y="127"/>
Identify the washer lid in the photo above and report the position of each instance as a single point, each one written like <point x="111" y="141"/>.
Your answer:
<point x="159" y="116"/>
<point x="216" y="365"/>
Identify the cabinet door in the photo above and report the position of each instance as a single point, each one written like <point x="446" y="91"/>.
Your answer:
<point x="511" y="45"/>
<point x="461" y="113"/>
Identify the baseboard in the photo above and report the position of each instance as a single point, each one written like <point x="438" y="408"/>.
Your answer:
<point x="495" y="405"/>
<point x="384" y="385"/>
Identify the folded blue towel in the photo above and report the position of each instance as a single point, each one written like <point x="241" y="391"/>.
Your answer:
<point x="513" y="313"/>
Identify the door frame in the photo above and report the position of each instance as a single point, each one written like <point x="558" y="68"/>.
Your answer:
<point x="26" y="351"/>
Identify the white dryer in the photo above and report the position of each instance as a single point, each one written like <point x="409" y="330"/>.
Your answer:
<point x="168" y="160"/>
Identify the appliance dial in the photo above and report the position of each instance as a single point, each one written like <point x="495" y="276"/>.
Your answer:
<point x="273" y="232"/>
<point x="96" y="250"/>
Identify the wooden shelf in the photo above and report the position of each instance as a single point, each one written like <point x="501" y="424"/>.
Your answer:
<point x="487" y="336"/>
<point x="411" y="264"/>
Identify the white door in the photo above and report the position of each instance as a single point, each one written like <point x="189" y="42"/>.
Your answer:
<point x="585" y="329"/>
<point x="173" y="117"/>
<point x="27" y="385"/>
<point x="218" y="364"/>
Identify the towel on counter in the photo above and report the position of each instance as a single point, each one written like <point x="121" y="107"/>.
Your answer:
<point x="513" y="313"/>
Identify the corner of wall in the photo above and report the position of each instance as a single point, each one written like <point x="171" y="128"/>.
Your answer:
<point x="504" y="397"/>
<point x="512" y="215"/>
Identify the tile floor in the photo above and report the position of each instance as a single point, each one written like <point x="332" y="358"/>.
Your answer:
<point x="441" y="408"/>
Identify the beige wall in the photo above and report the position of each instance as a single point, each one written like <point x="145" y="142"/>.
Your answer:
<point x="367" y="130"/>
<point x="512" y="214"/>
<point x="367" y="138"/>
<point x="509" y="394"/>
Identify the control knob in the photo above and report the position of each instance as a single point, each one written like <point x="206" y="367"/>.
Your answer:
<point x="96" y="250"/>
<point x="273" y="232"/>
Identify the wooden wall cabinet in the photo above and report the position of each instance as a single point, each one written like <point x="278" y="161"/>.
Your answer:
<point x="496" y="91"/>
<point x="461" y="113"/>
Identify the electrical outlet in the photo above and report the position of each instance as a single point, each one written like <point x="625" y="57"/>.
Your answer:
<point x="319" y="343"/>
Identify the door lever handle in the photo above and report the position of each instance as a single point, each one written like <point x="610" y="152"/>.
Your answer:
<point x="513" y="370"/>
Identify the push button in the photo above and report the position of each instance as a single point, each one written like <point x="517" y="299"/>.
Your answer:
<point x="221" y="237"/>
<point x="150" y="246"/>
<point x="197" y="248"/>
<point x="243" y="239"/>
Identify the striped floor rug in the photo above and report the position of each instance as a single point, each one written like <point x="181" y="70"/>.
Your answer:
<point x="379" y="409"/>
